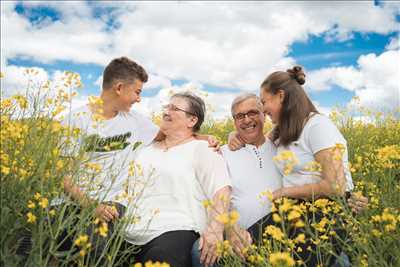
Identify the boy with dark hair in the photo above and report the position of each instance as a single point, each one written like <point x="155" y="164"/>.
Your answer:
<point x="109" y="131"/>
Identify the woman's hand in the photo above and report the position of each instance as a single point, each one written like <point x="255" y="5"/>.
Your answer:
<point x="208" y="245"/>
<point x="106" y="212"/>
<point x="234" y="141"/>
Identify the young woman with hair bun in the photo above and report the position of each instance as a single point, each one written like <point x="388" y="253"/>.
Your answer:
<point x="308" y="135"/>
<point x="311" y="155"/>
<point x="311" y="139"/>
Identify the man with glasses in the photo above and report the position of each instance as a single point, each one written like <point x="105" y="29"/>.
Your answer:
<point x="251" y="170"/>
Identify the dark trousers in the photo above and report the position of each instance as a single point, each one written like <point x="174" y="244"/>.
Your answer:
<point x="65" y="240"/>
<point x="172" y="247"/>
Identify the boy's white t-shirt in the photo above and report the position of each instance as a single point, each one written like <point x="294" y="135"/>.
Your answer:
<point x="171" y="191"/>
<point x="107" y="144"/>
<point x="318" y="133"/>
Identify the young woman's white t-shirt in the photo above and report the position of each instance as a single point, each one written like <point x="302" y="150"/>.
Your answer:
<point x="318" y="133"/>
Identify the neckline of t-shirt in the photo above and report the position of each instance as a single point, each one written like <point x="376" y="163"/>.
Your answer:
<point x="261" y="148"/>
<point x="119" y="115"/>
<point x="174" y="147"/>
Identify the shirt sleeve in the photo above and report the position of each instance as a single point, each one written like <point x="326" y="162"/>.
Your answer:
<point x="322" y="134"/>
<point x="146" y="129"/>
<point x="211" y="170"/>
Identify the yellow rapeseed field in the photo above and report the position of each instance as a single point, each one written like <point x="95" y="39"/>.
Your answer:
<point x="32" y="170"/>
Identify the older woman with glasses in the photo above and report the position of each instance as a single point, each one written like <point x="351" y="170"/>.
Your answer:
<point x="179" y="173"/>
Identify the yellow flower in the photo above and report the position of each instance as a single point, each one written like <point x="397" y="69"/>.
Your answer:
<point x="207" y="203"/>
<point x="81" y="240"/>
<point x="224" y="248"/>
<point x="228" y="218"/>
<point x="5" y="170"/>
<point x="153" y="264"/>
<point x="275" y="232"/>
<point x="293" y="215"/>
<point x="37" y="196"/>
<point x="31" y="217"/>
<point x="299" y="224"/>
<point x="44" y="202"/>
<point x="281" y="259"/>
<point x="31" y="205"/>
<point x="285" y="206"/>
<point x="102" y="229"/>
<point x="276" y="218"/>
<point x="268" y="194"/>
<point x="223" y="218"/>
<point x="300" y="238"/>
<point x="52" y="212"/>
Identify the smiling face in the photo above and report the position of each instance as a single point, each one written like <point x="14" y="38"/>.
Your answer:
<point x="272" y="104"/>
<point x="249" y="121"/>
<point x="128" y="94"/>
<point x="176" y="117"/>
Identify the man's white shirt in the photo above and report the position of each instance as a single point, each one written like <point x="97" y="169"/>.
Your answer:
<point x="252" y="173"/>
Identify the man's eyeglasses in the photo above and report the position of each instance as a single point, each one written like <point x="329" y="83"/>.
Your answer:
<point x="172" y="107"/>
<point x="253" y="113"/>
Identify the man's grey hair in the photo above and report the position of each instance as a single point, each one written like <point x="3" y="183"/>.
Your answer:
<point x="196" y="107"/>
<point x="243" y="97"/>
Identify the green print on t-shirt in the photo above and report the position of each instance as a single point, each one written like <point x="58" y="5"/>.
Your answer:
<point x="95" y="143"/>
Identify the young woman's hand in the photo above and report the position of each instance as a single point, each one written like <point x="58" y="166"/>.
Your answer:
<point x="234" y="141"/>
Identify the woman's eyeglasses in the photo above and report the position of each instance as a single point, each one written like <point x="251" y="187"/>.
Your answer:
<point x="172" y="107"/>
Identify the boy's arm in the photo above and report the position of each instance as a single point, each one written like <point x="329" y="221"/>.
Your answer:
<point x="102" y="211"/>
<point x="212" y="140"/>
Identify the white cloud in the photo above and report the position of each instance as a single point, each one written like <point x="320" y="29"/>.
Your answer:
<point x="323" y="79"/>
<point x="157" y="81"/>
<point x="226" y="44"/>
<point x="375" y="80"/>
<point x="17" y="81"/>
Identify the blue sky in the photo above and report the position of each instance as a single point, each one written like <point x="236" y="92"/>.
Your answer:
<point x="219" y="48"/>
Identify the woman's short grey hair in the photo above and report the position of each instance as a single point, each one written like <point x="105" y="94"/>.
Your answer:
<point x="196" y="107"/>
<point x="243" y="97"/>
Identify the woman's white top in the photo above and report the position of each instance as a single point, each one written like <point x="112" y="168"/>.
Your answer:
<point x="318" y="133"/>
<point x="171" y="191"/>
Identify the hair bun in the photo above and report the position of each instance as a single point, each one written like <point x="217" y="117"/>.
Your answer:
<point x="298" y="74"/>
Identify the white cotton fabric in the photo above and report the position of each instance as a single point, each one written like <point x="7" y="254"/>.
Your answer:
<point x="252" y="172"/>
<point x="171" y="191"/>
<point x="116" y="141"/>
<point x="318" y="133"/>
